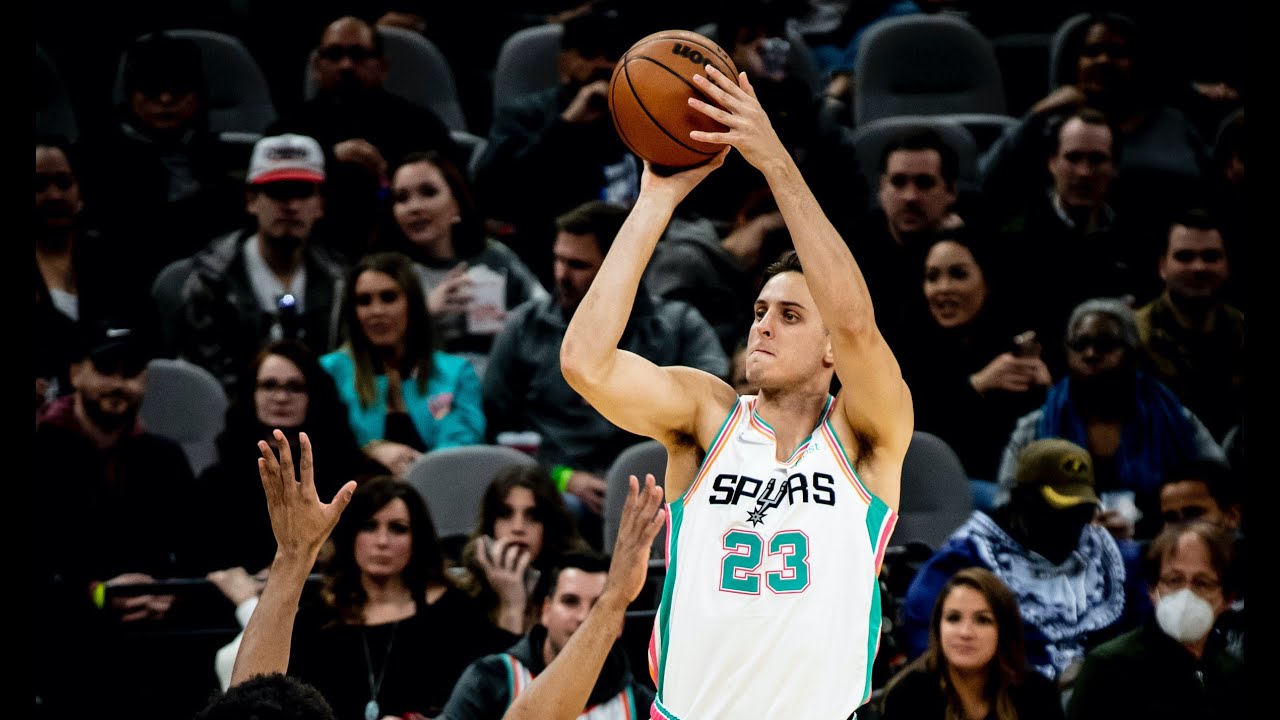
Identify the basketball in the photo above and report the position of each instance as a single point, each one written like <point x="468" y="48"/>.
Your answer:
<point x="649" y="97"/>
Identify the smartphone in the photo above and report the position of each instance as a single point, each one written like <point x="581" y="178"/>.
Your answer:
<point x="1026" y="345"/>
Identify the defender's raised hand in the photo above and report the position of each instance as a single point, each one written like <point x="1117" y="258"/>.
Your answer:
<point x="299" y="519"/>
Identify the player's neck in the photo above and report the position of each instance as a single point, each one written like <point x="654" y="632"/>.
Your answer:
<point x="792" y="413"/>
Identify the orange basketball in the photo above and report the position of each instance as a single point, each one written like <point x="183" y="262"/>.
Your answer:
<point x="649" y="94"/>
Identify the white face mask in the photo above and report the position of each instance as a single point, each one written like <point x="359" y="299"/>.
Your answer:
<point x="1184" y="616"/>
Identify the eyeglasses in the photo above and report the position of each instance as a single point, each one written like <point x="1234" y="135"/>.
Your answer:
<point x="1100" y="343"/>
<point x="335" y="53"/>
<point x="921" y="181"/>
<point x="1200" y="584"/>
<point x="286" y="190"/>
<point x="292" y="387"/>
<point x="62" y="181"/>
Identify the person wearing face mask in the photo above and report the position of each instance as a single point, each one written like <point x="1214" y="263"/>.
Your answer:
<point x="1135" y="429"/>
<point x="1176" y="665"/>
<point x="970" y="381"/>
<point x="1076" y="585"/>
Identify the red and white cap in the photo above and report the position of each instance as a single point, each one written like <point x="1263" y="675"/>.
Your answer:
<point x="286" y="157"/>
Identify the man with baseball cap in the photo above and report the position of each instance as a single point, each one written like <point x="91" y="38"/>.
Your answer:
<point x="1076" y="584"/>
<point x="261" y="283"/>
<point x="112" y="506"/>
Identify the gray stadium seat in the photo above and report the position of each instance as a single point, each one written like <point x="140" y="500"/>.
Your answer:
<point x="528" y="62"/>
<point x="452" y="481"/>
<point x="54" y="112"/>
<point x="186" y="403"/>
<point x="644" y="457"/>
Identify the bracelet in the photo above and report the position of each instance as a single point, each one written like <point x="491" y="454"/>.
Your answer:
<point x="560" y="475"/>
<point x="98" y="594"/>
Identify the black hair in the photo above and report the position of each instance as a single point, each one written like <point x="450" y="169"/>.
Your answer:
<point x="924" y="138"/>
<point x="588" y="561"/>
<point x="274" y="696"/>
<point x="1216" y="476"/>
<point x="595" y="217"/>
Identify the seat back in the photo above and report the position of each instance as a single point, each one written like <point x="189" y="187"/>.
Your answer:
<point x="416" y="71"/>
<point x="1062" y="60"/>
<point x="54" y="112"/>
<point x="452" y="481"/>
<point x="925" y="65"/>
<point x="647" y="457"/>
<point x="239" y="97"/>
<point x="936" y="498"/>
<point x="185" y="403"/>
<point x="527" y="62"/>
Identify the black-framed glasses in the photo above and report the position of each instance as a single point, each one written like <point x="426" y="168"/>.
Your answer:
<point x="1099" y="343"/>
<point x="60" y="180"/>
<point x="292" y="387"/>
<point x="285" y="190"/>
<point x="335" y="53"/>
<point x="922" y="181"/>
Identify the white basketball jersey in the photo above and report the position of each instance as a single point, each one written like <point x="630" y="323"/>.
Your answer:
<point x="771" y="608"/>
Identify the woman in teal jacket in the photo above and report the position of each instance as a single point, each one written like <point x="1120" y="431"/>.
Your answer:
<point x="403" y="397"/>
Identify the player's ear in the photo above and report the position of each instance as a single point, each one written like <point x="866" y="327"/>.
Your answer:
<point x="829" y="357"/>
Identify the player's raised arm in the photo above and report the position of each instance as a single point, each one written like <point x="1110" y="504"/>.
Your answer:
<point x="874" y="397"/>
<point x="628" y="390"/>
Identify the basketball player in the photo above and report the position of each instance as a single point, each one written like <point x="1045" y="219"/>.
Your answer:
<point x="779" y="504"/>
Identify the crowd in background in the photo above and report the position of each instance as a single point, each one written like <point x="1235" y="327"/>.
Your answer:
<point x="1065" y="297"/>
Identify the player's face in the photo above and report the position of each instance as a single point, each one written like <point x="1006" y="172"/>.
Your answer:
<point x="385" y="543"/>
<point x="953" y="284"/>
<point x="1195" y="265"/>
<point x="968" y="631"/>
<point x="576" y="592"/>
<point x="424" y="206"/>
<point x="519" y="522"/>
<point x="913" y="194"/>
<point x="577" y="259"/>
<point x="788" y="344"/>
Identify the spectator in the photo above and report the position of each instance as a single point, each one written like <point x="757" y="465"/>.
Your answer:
<point x="403" y="396"/>
<point x="969" y="380"/>
<point x="161" y="182"/>
<point x="976" y="664"/>
<point x="1174" y="665"/>
<point x="522" y="529"/>
<point x="1134" y="428"/>
<point x="438" y="224"/>
<point x="917" y="194"/>
<point x="262" y="283"/>
<point x="564" y="133"/>
<point x="1068" y="245"/>
<point x="362" y="128"/>
<point x="1076" y="585"/>
<point x="524" y="388"/>
<point x="124" y="501"/>
<point x="1203" y="490"/>
<point x="1192" y="340"/>
<point x="389" y="635"/>
<point x="290" y="392"/>
<point x="1161" y="153"/>
<point x="77" y="274"/>
<point x="566" y="594"/>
